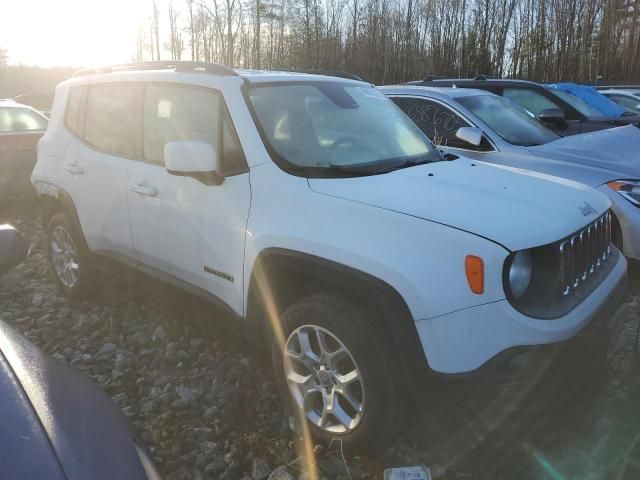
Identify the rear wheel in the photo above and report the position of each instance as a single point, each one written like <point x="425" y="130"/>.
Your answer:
<point x="337" y="372"/>
<point x="68" y="257"/>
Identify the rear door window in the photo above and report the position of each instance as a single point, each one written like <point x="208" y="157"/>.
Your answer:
<point x="111" y="119"/>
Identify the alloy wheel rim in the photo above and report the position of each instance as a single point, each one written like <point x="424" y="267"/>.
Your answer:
<point x="324" y="379"/>
<point x="64" y="256"/>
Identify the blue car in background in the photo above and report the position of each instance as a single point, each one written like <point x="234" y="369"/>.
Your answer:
<point x="57" y="424"/>
<point x="595" y="99"/>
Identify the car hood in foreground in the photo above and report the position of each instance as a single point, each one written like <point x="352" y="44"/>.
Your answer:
<point x="88" y="433"/>
<point x="515" y="208"/>
<point x="24" y="446"/>
<point x="612" y="154"/>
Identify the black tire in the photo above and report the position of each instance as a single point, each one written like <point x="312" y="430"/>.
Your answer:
<point x="374" y="358"/>
<point x="84" y="285"/>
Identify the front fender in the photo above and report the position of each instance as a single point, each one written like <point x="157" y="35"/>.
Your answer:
<point x="423" y="261"/>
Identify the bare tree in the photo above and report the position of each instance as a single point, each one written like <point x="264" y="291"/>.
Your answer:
<point x="4" y="57"/>
<point x="176" y="44"/>
<point x="138" y="55"/>
<point x="399" y="40"/>
<point x="156" y="29"/>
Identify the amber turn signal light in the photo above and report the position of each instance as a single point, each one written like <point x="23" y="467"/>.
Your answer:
<point x="474" y="266"/>
<point x="617" y="186"/>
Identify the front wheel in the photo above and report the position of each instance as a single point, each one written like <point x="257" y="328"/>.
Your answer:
<point x="336" y="371"/>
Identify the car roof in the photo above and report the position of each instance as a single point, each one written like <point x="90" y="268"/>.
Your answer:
<point x="443" y="93"/>
<point x="268" y="76"/>
<point x="186" y="70"/>
<point x="477" y="81"/>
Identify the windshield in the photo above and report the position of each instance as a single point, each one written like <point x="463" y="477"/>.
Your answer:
<point x="333" y="125"/>
<point x="13" y="119"/>
<point x="583" y="107"/>
<point x="508" y="120"/>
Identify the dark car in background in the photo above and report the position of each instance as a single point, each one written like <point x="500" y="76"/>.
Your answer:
<point x="20" y="129"/>
<point x="41" y="101"/>
<point x="57" y="424"/>
<point x="562" y="112"/>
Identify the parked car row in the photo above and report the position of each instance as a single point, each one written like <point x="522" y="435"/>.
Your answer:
<point x="559" y="110"/>
<point x="366" y="249"/>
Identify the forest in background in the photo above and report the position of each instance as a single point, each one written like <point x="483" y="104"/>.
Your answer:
<point x="389" y="41"/>
<point x="386" y="41"/>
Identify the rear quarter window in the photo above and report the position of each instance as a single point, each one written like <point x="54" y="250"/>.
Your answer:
<point x="74" y="114"/>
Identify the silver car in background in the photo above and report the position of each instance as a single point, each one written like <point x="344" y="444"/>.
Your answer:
<point x="629" y="99"/>
<point x="490" y="128"/>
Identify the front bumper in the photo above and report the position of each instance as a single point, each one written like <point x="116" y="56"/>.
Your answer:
<point x="494" y="336"/>
<point x="583" y="354"/>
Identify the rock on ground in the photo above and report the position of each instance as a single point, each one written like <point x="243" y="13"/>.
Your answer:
<point x="207" y="405"/>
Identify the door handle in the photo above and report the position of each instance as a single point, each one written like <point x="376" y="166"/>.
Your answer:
<point x="74" y="168"/>
<point x="142" y="190"/>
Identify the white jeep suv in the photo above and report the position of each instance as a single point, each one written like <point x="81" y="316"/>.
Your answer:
<point x="325" y="224"/>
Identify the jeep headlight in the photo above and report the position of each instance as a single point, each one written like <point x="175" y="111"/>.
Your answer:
<point x="520" y="272"/>
<point x="629" y="189"/>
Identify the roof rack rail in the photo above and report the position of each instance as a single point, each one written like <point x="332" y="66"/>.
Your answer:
<point x="431" y="78"/>
<point x="328" y="73"/>
<point x="487" y="77"/>
<point x="178" y="66"/>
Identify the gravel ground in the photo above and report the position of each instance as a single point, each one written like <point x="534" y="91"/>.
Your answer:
<point x="208" y="407"/>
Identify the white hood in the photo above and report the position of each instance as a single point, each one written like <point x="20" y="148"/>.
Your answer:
<point x="515" y="208"/>
<point x="611" y="154"/>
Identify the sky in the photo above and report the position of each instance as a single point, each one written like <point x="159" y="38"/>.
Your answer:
<point x="71" y="32"/>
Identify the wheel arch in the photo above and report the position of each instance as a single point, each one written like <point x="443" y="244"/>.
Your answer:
<point x="55" y="201"/>
<point x="280" y="277"/>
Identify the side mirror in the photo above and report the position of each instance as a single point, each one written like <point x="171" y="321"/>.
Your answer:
<point x="191" y="158"/>
<point x="551" y="115"/>
<point x="470" y="135"/>
<point x="13" y="248"/>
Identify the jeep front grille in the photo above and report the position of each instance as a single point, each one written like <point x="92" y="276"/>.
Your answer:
<point x="584" y="253"/>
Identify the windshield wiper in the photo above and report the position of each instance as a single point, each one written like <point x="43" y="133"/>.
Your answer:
<point x="375" y="168"/>
<point x="407" y="164"/>
<point x="359" y="170"/>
